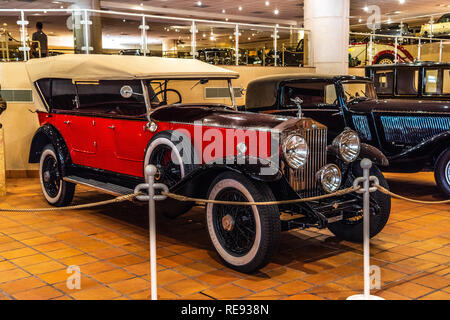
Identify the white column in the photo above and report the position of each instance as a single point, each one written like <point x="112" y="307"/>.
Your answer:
<point x="329" y="23"/>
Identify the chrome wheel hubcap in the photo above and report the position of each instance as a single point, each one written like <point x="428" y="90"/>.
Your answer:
<point x="227" y="223"/>
<point x="47" y="176"/>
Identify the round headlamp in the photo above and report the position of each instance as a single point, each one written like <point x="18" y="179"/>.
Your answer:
<point x="330" y="177"/>
<point x="295" y="151"/>
<point x="347" y="145"/>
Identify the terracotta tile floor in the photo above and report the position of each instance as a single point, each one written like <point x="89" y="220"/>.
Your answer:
<point x="110" y="246"/>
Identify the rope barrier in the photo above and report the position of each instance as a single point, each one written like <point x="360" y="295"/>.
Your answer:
<point x="389" y="193"/>
<point x="182" y="198"/>
<point x="267" y="203"/>
<point x="80" y="206"/>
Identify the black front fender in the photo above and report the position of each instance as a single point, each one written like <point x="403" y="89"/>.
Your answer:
<point x="367" y="151"/>
<point x="197" y="182"/>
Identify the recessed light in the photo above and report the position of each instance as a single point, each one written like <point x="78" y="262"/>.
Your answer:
<point x="267" y="3"/>
<point x="240" y="8"/>
<point x="276" y="11"/>
<point x="199" y="3"/>
<point x="224" y="11"/>
<point x="366" y="8"/>
<point x="401" y="1"/>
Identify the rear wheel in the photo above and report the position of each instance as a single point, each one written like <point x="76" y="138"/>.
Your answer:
<point x="245" y="237"/>
<point x="174" y="158"/>
<point x="56" y="191"/>
<point x="352" y="229"/>
<point x="442" y="172"/>
<point x="385" y="59"/>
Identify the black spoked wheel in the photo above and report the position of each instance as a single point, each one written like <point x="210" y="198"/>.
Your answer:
<point x="51" y="176"/>
<point x="351" y="229"/>
<point x="235" y="226"/>
<point x="56" y="191"/>
<point x="174" y="157"/>
<point x="245" y="237"/>
<point x="168" y="173"/>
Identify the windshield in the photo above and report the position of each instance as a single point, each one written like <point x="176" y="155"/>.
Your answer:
<point x="167" y="92"/>
<point x="358" y="90"/>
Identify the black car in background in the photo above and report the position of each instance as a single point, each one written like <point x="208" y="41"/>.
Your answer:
<point x="399" y="135"/>
<point x="420" y="80"/>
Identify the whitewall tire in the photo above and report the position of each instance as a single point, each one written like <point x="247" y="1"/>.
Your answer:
<point x="56" y="191"/>
<point x="245" y="237"/>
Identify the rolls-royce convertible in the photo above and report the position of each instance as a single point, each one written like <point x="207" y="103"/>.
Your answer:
<point x="105" y="118"/>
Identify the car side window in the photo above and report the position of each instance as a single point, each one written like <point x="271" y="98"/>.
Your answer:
<point x="384" y="81"/>
<point x="103" y="97"/>
<point x="407" y="81"/>
<point x="63" y="94"/>
<point x="433" y="82"/>
<point x="446" y="82"/>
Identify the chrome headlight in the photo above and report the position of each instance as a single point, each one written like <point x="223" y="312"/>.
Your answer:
<point x="295" y="151"/>
<point x="347" y="145"/>
<point x="330" y="177"/>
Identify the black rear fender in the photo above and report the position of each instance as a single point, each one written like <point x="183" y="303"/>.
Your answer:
<point x="45" y="135"/>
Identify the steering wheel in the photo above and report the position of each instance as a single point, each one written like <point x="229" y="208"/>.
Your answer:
<point x="164" y="93"/>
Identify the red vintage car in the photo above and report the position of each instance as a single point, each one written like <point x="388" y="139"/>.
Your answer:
<point x="104" y="118"/>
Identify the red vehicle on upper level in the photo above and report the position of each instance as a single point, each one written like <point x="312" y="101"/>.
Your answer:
<point x="104" y="118"/>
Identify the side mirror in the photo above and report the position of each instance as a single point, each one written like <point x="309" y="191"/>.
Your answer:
<point x="126" y="92"/>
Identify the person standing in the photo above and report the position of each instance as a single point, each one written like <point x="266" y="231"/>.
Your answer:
<point x="40" y="36"/>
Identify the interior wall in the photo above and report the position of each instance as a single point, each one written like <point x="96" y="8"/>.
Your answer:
<point x="20" y="124"/>
<point x="18" y="121"/>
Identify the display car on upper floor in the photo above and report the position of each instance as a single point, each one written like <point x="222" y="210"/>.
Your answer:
<point x="441" y="28"/>
<point x="104" y="118"/>
<point x="412" y="135"/>
<point x="418" y="81"/>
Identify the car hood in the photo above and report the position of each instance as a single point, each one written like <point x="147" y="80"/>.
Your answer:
<point x="401" y="106"/>
<point x="223" y="117"/>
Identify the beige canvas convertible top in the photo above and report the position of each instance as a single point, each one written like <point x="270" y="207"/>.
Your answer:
<point x="116" y="67"/>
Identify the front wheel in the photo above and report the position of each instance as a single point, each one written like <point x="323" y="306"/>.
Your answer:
<point x="352" y="229"/>
<point x="57" y="192"/>
<point x="245" y="237"/>
<point x="442" y="172"/>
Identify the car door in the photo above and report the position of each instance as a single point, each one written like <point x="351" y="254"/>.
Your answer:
<point x="122" y="132"/>
<point x="77" y="129"/>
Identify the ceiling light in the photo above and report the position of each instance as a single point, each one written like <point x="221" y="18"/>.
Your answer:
<point x="141" y="4"/>
<point x="276" y="11"/>
<point x="401" y="1"/>
<point x="199" y="3"/>
<point x="240" y="8"/>
<point x="267" y="3"/>
<point x="360" y="20"/>
<point x="366" y="9"/>
<point x="224" y="11"/>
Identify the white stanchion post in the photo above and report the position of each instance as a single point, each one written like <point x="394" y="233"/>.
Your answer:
<point x="150" y="172"/>
<point x="150" y="187"/>
<point x="366" y="164"/>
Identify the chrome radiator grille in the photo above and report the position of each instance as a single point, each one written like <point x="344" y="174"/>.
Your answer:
<point x="413" y="130"/>
<point x="305" y="179"/>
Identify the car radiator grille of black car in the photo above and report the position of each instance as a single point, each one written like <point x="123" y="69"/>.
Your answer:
<point x="304" y="179"/>
<point x="413" y="130"/>
<point x="362" y="126"/>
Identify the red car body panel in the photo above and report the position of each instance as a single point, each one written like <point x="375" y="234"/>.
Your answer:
<point x="119" y="145"/>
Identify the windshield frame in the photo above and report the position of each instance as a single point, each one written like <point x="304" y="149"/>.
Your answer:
<point x="343" y="94"/>
<point x="145" y="84"/>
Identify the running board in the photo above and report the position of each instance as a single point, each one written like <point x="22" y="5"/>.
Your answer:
<point x="109" y="188"/>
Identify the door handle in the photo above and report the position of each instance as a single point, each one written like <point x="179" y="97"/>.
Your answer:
<point x="111" y="127"/>
<point x="67" y="122"/>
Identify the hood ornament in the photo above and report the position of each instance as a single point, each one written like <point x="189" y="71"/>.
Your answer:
<point x="298" y="102"/>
